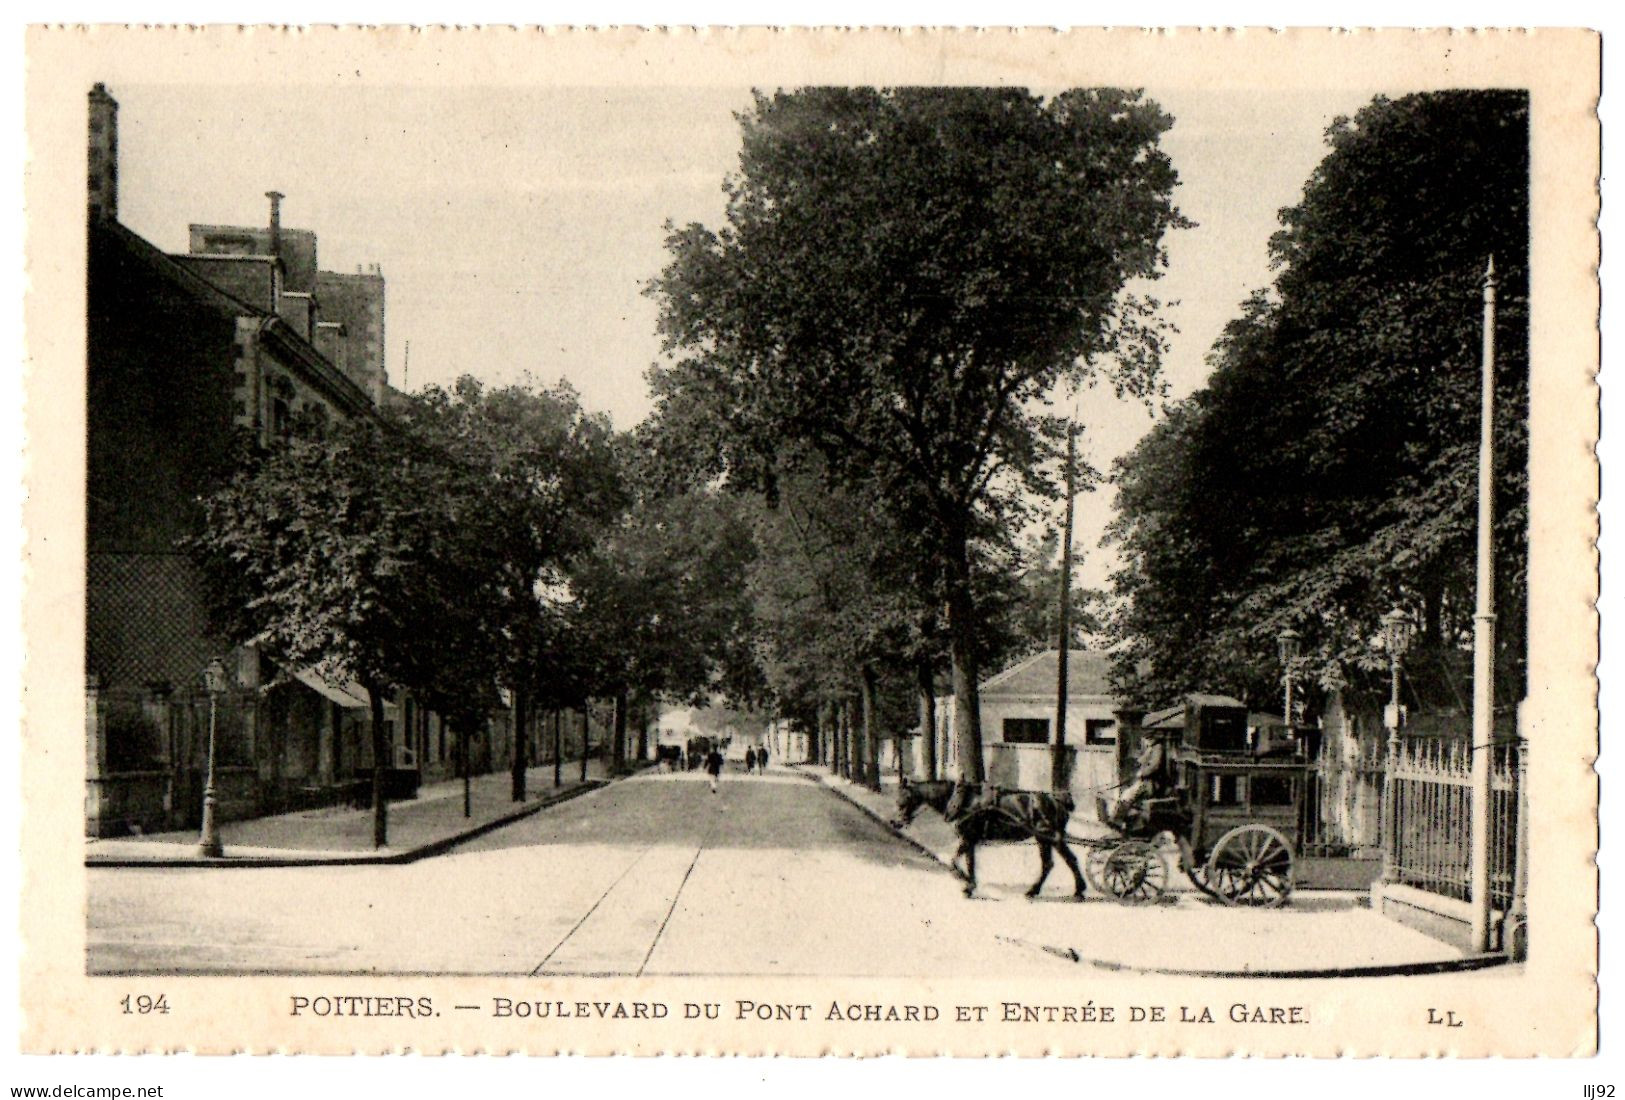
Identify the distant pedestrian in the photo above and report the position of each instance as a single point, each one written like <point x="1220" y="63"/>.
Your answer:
<point x="761" y="759"/>
<point x="713" y="765"/>
<point x="750" y="761"/>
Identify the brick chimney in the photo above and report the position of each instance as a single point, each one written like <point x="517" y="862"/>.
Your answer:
<point x="276" y="221"/>
<point x="102" y="165"/>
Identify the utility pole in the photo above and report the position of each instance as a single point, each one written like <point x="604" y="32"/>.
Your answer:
<point x="1058" y="776"/>
<point x="1484" y="637"/>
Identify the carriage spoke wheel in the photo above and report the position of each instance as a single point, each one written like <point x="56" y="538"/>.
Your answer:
<point x="1094" y="862"/>
<point x="1135" y="872"/>
<point x="1251" y="865"/>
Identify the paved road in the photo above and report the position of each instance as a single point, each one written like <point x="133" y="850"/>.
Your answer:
<point x="655" y="875"/>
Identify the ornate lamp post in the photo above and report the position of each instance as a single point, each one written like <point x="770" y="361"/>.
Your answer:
<point x="1396" y="638"/>
<point x="1289" y="643"/>
<point x="214" y="681"/>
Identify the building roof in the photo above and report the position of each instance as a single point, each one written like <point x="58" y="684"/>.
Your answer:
<point x="161" y="265"/>
<point x="164" y="266"/>
<point x="1173" y="718"/>
<point x="1087" y="673"/>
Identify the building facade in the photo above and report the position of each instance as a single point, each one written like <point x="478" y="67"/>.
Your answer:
<point x="188" y="358"/>
<point x="1018" y="711"/>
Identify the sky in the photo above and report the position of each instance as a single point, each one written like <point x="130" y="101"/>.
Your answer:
<point x="517" y="227"/>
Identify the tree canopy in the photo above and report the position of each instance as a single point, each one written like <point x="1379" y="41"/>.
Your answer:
<point x="1327" y="470"/>
<point x="320" y="550"/>
<point x="904" y="277"/>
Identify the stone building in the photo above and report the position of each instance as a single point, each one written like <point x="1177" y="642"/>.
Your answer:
<point x="343" y="313"/>
<point x="186" y="356"/>
<point x="1018" y="713"/>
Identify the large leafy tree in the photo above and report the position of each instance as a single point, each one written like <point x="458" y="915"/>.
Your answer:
<point x="662" y="603"/>
<point x="537" y="480"/>
<point x="904" y="276"/>
<point x="1327" y="470"/>
<point x="837" y="608"/>
<point x="318" y="551"/>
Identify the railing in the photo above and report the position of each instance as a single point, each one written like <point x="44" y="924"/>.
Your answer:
<point x="1343" y="802"/>
<point x="1430" y="814"/>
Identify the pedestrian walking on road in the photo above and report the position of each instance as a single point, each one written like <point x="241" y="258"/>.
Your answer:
<point x="750" y="761"/>
<point x="713" y="765"/>
<point x="761" y="759"/>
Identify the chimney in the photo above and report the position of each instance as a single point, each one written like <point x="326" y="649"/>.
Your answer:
<point x="102" y="165"/>
<point x="276" y="221"/>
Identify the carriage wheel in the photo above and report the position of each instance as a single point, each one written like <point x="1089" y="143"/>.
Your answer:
<point x="1094" y="862"/>
<point x="1135" y="872"/>
<point x="1251" y="865"/>
<point x="1197" y="873"/>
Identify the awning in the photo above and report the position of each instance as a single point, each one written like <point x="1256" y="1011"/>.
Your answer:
<point x="349" y="695"/>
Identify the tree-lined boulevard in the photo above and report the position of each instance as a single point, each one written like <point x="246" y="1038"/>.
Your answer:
<point x="840" y="516"/>
<point x="775" y="875"/>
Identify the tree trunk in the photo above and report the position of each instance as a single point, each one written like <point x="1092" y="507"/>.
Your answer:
<point x="558" y="749"/>
<point x="521" y="744"/>
<point x="844" y="731"/>
<point x="586" y="722"/>
<point x="1432" y="613"/>
<point x="837" y="718"/>
<point x="928" y="718"/>
<point x="826" y="723"/>
<point x="643" y="735"/>
<point x="617" y="745"/>
<point x="380" y="765"/>
<point x="871" y="732"/>
<point x="853" y="746"/>
<point x="467" y="769"/>
<point x="962" y="650"/>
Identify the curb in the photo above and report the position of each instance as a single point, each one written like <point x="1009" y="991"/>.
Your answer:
<point x="360" y="859"/>
<point x="884" y="824"/>
<point x="1374" y="970"/>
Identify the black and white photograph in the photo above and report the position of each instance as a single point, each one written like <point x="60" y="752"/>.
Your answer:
<point x="836" y="540"/>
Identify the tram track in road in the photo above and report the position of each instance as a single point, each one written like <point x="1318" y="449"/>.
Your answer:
<point x="609" y="936"/>
<point x="585" y="917"/>
<point x="676" y="897"/>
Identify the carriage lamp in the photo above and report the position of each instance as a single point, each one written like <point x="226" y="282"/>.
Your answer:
<point x="214" y="682"/>
<point x="1289" y="643"/>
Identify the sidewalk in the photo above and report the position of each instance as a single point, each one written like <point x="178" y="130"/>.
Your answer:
<point x="1318" y="933"/>
<point x="338" y="835"/>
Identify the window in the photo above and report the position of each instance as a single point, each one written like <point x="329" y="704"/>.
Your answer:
<point x="1099" y="731"/>
<point x="1026" y="731"/>
<point x="1269" y="790"/>
<point x="281" y="419"/>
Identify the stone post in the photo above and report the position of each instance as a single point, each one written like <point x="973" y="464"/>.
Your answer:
<point x="95" y="754"/>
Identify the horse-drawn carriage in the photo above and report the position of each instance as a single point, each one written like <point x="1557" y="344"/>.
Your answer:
<point x="1228" y="809"/>
<point x="1231" y="811"/>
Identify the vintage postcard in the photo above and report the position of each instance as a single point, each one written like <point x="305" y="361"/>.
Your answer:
<point x="811" y="542"/>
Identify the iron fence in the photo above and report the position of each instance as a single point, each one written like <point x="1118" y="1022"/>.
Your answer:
<point x="1431" y="807"/>
<point x="1343" y="801"/>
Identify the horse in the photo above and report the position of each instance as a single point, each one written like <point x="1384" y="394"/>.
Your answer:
<point x="912" y="795"/>
<point x="983" y="814"/>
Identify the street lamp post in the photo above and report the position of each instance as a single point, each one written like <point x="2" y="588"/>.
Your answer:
<point x="214" y="681"/>
<point x="1484" y="638"/>
<point x="1396" y="638"/>
<point x="1289" y="643"/>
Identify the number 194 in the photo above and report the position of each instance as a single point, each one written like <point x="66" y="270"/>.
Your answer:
<point x="144" y="1005"/>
